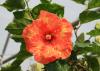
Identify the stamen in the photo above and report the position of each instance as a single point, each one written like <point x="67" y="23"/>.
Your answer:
<point x="48" y="37"/>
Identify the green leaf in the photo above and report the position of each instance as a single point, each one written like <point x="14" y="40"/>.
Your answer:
<point x="22" y="14"/>
<point x="94" y="49"/>
<point x="59" y="65"/>
<point x="9" y="68"/>
<point x="22" y="55"/>
<point x="94" y="4"/>
<point x="88" y="16"/>
<point x="80" y="38"/>
<point x="21" y="20"/>
<point x="82" y="45"/>
<point x="14" y="28"/>
<point x="17" y="38"/>
<point x="54" y="8"/>
<point x="80" y="1"/>
<point x="14" y="4"/>
<point x="91" y="4"/>
<point x="45" y="1"/>
<point x="93" y="63"/>
<point x="87" y="47"/>
<point x="79" y="48"/>
<point x="17" y="26"/>
<point x="95" y="32"/>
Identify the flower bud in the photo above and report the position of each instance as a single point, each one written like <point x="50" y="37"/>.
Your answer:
<point x="97" y="26"/>
<point x="37" y="67"/>
<point x="97" y="38"/>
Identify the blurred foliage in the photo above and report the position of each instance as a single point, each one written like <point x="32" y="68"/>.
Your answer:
<point x="81" y="38"/>
<point x="88" y="16"/>
<point x="89" y="50"/>
<point x="95" y="32"/>
<point x="22" y="14"/>
<point x="45" y="1"/>
<point x="91" y="3"/>
<point x="80" y="1"/>
<point x="87" y="47"/>
<point x="94" y="4"/>
<point x="54" y="8"/>
<point x="93" y="63"/>
<point x="14" y="4"/>
<point x="16" y="27"/>
<point x="59" y="65"/>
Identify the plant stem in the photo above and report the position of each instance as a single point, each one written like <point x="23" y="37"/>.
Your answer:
<point x="30" y="13"/>
<point x="75" y="23"/>
<point x="76" y="31"/>
<point x="90" y="38"/>
<point x="4" y="49"/>
<point x="10" y="58"/>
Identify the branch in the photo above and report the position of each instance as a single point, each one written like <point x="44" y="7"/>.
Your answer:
<point x="30" y="13"/>
<point x="76" y="26"/>
<point x="4" y="49"/>
<point x="10" y="58"/>
<point x="75" y="23"/>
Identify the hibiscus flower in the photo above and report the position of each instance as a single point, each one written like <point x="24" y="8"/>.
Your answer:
<point x="48" y="38"/>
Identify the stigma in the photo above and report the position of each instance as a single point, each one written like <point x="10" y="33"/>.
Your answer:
<point x="48" y="37"/>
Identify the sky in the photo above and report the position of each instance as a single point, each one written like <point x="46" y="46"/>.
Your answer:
<point x="72" y="11"/>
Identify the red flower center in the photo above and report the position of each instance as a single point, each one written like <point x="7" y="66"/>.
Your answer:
<point x="48" y="37"/>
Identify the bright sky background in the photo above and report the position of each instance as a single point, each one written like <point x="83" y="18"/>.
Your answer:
<point x="72" y="11"/>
